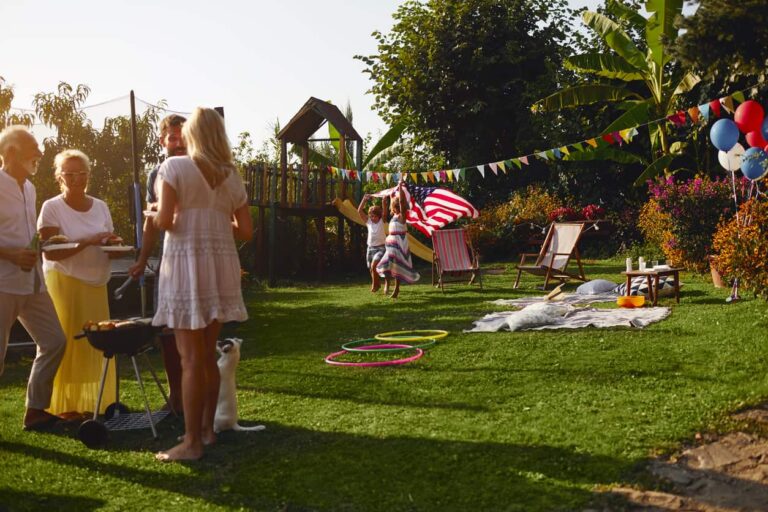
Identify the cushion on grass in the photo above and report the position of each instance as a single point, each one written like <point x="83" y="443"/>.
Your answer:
<point x="543" y="313"/>
<point x="639" y="286"/>
<point x="595" y="287"/>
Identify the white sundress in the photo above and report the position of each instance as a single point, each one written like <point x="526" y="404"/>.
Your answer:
<point x="397" y="261"/>
<point x="200" y="271"/>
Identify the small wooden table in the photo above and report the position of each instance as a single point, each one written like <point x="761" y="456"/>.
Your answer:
<point x="653" y="281"/>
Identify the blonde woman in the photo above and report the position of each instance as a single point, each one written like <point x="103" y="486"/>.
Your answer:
<point x="203" y="207"/>
<point x="77" y="281"/>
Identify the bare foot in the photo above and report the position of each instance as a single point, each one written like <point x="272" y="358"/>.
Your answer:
<point x="180" y="452"/>
<point x="395" y="292"/>
<point x="208" y="439"/>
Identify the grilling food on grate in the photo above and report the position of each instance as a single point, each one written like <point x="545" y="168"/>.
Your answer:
<point x="108" y="325"/>
<point x="56" y="239"/>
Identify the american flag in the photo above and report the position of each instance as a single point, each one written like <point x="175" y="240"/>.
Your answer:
<point x="432" y="208"/>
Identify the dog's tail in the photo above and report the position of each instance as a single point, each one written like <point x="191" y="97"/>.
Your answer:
<point x="238" y="428"/>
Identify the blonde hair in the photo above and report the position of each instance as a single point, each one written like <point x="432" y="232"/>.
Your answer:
<point x="69" y="154"/>
<point x="208" y="146"/>
<point x="11" y="138"/>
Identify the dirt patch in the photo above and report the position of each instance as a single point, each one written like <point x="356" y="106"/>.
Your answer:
<point x="721" y="473"/>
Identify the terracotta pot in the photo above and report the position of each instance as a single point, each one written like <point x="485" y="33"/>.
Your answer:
<point x="717" y="279"/>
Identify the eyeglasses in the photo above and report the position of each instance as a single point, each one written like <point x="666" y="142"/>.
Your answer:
<point x="74" y="174"/>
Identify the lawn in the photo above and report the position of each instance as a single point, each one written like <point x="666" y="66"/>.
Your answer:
<point x="497" y="421"/>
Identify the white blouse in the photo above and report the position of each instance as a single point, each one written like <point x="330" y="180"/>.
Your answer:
<point x="91" y="265"/>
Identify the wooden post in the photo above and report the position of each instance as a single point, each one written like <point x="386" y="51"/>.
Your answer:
<point x="305" y="174"/>
<point x="343" y="163"/>
<point x="320" y="225"/>
<point x="283" y="172"/>
<point x="322" y="187"/>
<point x="273" y="223"/>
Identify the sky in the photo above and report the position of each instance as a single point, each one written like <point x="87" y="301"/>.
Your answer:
<point x="259" y="59"/>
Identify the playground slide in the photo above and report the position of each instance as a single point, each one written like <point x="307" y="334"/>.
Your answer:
<point x="349" y="210"/>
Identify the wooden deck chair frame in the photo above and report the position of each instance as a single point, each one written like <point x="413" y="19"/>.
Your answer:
<point x="442" y="272"/>
<point x="543" y="265"/>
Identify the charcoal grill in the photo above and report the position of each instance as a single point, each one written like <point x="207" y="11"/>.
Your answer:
<point x="128" y="341"/>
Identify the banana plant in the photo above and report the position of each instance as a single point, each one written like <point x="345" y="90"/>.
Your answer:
<point x="619" y="72"/>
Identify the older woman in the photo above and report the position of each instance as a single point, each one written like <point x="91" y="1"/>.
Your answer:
<point x="77" y="281"/>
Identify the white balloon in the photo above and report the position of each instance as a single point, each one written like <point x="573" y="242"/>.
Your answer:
<point x="731" y="160"/>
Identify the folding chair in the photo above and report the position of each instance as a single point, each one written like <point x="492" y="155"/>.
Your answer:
<point x="552" y="260"/>
<point x="454" y="257"/>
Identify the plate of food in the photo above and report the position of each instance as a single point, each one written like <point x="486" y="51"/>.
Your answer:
<point x="58" y="243"/>
<point x="115" y="244"/>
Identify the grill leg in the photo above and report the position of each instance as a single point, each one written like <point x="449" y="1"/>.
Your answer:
<point x="104" y="367"/>
<point x="144" y="394"/>
<point x="159" y="384"/>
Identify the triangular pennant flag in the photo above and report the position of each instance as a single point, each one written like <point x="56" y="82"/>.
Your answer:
<point x="481" y="168"/>
<point x="524" y="159"/>
<point x="353" y="175"/>
<point x="494" y="167"/>
<point x="442" y="176"/>
<point x="626" y="134"/>
<point x="727" y="103"/>
<point x="564" y="150"/>
<point x="414" y="177"/>
<point x="608" y="138"/>
<point x="714" y="106"/>
<point x="693" y="113"/>
<point x="592" y="142"/>
<point x="738" y="96"/>
<point x="556" y="152"/>
<point x="516" y="162"/>
<point x="704" y="110"/>
<point x="633" y="133"/>
<point x="550" y="154"/>
<point x="503" y="166"/>
<point x="425" y="176"/>
<point x="463" y="173"/>
<point x="389" y="177"/>
<point x="578" y="146"/>
<point x="542" y="155"/>
<point x="457" y="174"/>
<point x="449" y="175"/>
<point x="368" y="175"/>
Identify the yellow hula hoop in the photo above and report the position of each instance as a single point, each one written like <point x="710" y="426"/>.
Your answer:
<point x="406" y="336"/>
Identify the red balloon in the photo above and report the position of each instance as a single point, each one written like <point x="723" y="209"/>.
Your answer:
<point x="755" y="139"/>
<point x="749" y="116"/>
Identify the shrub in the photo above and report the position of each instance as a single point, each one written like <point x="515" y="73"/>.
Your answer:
<point x="564" y="213"/>
<point x="592" y="212"/>
<point x="687" y="214"/>
<point x="742" y="249"/>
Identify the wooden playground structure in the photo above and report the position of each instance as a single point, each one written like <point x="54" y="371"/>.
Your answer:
<point x="304" y="193"/>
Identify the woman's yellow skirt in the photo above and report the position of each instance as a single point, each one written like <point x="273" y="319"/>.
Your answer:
<point x="76" y="385"/>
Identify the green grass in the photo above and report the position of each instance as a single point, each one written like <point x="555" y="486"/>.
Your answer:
<point x="497" y="421"/>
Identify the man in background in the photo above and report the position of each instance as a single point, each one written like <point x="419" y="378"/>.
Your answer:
<point x="173" y="145"/>
<point x="23" y="295"/>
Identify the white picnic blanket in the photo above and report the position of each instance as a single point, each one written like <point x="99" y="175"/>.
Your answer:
<point x="565" y="298"/>
<point x="574" y="318"/>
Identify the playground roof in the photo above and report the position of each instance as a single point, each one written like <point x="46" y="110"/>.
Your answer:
<point x="310" y="117"/>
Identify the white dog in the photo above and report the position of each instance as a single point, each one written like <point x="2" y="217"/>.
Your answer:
<point x="226" y="407"/>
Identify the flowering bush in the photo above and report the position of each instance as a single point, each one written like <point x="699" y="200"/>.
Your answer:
<point x="592" y="212"/>
<point x="564" y="213"/>
<point x="687" y="214"/>
<point x="743" y="250"/>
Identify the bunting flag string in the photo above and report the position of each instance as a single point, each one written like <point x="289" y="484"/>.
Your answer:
<point x="693" y="114"/>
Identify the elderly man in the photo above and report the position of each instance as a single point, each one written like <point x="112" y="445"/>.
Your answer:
<point x="173" y="145"/>
<point x="23" y="295"/>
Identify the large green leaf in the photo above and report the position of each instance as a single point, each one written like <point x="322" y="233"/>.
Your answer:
<point x="316" y="158"/>
<point x="686" y="83"/>
<point x="334" y="135"/>
<point x="624" y="12"/>
<point x="654" y="169"/>
<point x="604" y="64"/>
<point x="635" y="116"/>
<point x="615" y="38"/>
<point x="660" y="26"/>
<point x="584" y="95"/>
<point x="605" y="153"/>
<point x="385" y="141"/>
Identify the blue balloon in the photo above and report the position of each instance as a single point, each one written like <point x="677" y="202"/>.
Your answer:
<point x="764" y="127"/>
<point x="754" y="163"/>
<point x="724" y="134"/>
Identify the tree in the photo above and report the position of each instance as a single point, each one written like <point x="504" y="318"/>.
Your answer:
<point x="461" y="74"/>
<point x="645" y="84"/>
<point x="6" y="117"/>
<point x="726" y="39"/>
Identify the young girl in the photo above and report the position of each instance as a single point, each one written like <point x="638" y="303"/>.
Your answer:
<point x="374" y="221"/>
<point x="396" y="263"/>
<point x="203" y="208"/>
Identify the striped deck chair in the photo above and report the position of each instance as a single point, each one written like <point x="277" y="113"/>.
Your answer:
<point x="454" y="257"/>
<point x="552" y="261"/>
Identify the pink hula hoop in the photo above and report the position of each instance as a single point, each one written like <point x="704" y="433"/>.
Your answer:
<point x="330" y="358"/>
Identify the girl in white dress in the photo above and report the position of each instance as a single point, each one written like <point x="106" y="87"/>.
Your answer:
<point x="203" y="207"/>
<point x="396" y="264"/>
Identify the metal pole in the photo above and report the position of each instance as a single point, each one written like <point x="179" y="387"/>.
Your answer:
<point x="137" y="214"/>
